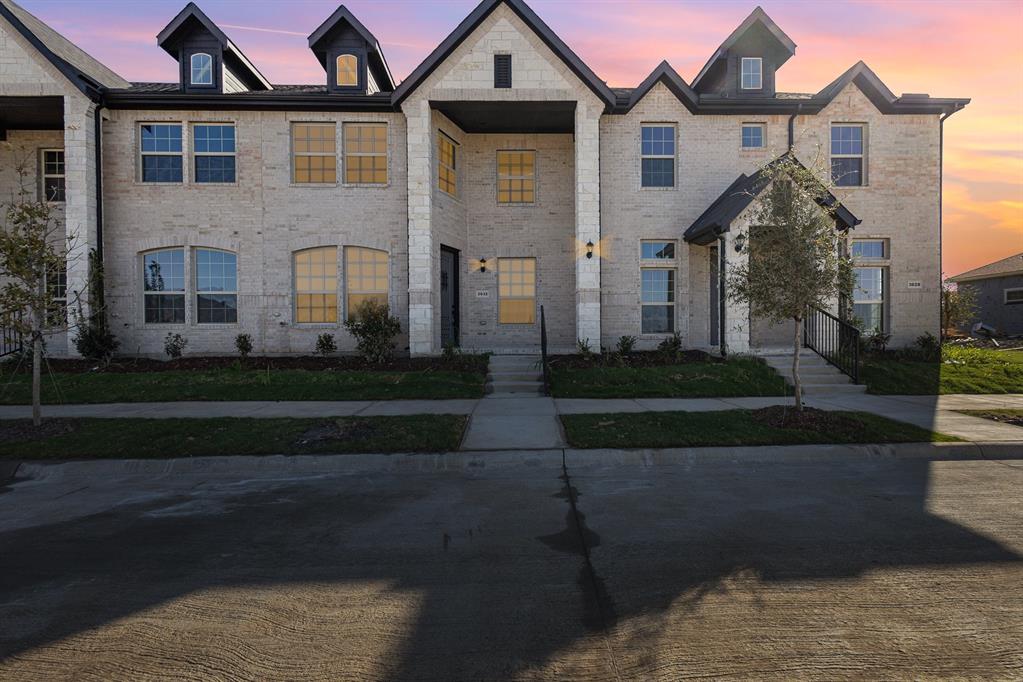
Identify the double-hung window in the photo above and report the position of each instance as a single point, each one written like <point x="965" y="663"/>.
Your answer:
<point x="658" y="156"/>
<point x="53" y="174"/>
<point x="56" y="290"/>
<point x="447" y="158"/>
<point x="516" y="177"/>
<point x="516" y="290"/>
<point x="752" y="73"/>
<point x="752" y="135"/>
<point x="161" y="152"/>
<point x="365" y="278"/>
<point x="214" y="149"/>
<point x="657" y="296"/>
<point x="163" y="280"/>
<point x="202" y="69"/>
<point x="847" y="155"/>
<point x="869" y="295"/>
<point x="216" y="286"/>
<point x="314" y="153"/>
<point x="316" y="285"/>
<point x="365" y="153"/>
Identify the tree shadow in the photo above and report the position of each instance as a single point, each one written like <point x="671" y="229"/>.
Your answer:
<point x="485" y="608"/>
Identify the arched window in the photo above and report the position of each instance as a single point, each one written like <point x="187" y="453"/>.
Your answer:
<point x="202" y="69"/>
<point x="347" y="71"/>
<point x="216" y="286"/>
<point x="316" y="285"/>
<point x="163" y="285"/>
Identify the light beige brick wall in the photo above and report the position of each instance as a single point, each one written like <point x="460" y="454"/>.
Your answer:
<point x="263" y="217"/>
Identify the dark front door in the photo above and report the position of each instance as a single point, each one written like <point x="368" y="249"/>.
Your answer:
<point x="449" y="296"/>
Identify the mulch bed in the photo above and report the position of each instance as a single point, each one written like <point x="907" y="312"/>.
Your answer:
<point x="637" y="359"/>
<point x="20" y="430"/>
<point x="809" y="419"/>
<point x="460" y="363"/>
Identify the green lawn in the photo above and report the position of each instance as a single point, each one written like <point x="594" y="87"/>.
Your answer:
<point x="962" y="370"/>
<point x="728" y="427"/>
<point x="739" y="376"/>
<point x="162" y="438"/>
<point x="242" y="384"/>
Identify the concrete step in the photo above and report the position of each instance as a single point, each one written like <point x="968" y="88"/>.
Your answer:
<point x="826" y="389"/>
<point x="821" y="379"/>
<point x="514" y="375"/>
<point x="805" y="369"/>
<point x="513" y="361"/>
<point x="804" y="361"/>
<point x="514" y="387"/>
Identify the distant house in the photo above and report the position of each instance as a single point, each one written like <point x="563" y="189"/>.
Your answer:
<point x="999" y="288"/>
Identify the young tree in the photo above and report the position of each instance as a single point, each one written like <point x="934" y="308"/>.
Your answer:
<point x="794" y="257"/>
<point x="33" y="247"/>
<point x="958" y="305"/>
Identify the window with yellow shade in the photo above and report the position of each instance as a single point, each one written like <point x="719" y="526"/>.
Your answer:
<point x="314" y="152"/>
<point x="365" y="277"/>
<point x="366" y="153"/>
<point x="446" y="158"/>
<point x="516" y="177"/>
<point x="347" y="71"/>
<point x="516" y="290"/>
<point x="316" y="285"/>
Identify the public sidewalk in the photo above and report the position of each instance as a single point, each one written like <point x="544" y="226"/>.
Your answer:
<point x="531" y="422"/>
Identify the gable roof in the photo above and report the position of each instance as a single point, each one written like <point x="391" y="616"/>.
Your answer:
<point x="733" y="201"/>
<point x="171" y="33"/>
<point x="85" y="73"/>
<point x="884" y="99"/>
<point x="664" y="73"/>
<point x="343" y="15"/>
<point x="472" y="22"/>
<point x="1013" y="265"/>
<point x="757" y="17"/>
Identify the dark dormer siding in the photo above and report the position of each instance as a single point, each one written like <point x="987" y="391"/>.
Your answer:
<point x="346" y="40"/>
<point x="734" y="75"/>
<point x="194" y="43"/>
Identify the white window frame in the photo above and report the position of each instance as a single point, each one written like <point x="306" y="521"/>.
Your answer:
<point x="144" y="154"/>
<point x="346" y="154"/>
<point x="337" y="291"/>
<point x="43" y="175"/>
<point x="57" y="304"/>
<point x="191" y="69"/>
<point x="443" y="138"/>
<point x="295" y="154"/>
<point x="673" y="156"/>
<point x="666" y="266"/>
<point x="512" y="178"/>
<point x="533" y="298"/>
<point x="885" y="293"/>
<point x="214" y="124"/>
<point x="183" y="292"/>
<point x="1012" y="290"/>
<point x="337" y="70"/>
<point x="673" y="259"/>
<point x="763" y="135"/>
<point x="862" y="156"/>
<point x="759" y="73"/>
<point x="196" y="293"/>
<point x="868" y="259"/>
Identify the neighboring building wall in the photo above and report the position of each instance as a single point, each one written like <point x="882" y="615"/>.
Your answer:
<point x="263" y="217"/>
<point x="991" y="307"/>
<point x="899" y="202"/>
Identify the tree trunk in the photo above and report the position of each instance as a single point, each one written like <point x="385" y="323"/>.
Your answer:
<point x="797" y="338"/>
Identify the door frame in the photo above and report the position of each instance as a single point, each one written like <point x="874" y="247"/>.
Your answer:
<point x="456" y="288"/>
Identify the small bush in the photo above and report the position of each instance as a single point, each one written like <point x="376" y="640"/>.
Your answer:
<point x="929" y="346"/>
<point x="671" y="346"/>
<point x="877" y="341"/>
<point x="96" y="342"/>
<point x="626" y="344"/>
<point x="450" y="351"/>
<point x="583" y="348"/>
<point x="374" y="330"/>
<point x="174" y="345"/>
<point x="243" y="343"/>
<point x="325" y="345"/>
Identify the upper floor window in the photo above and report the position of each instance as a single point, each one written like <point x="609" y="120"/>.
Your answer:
<point x="447" y="153"/>
<point x="516" y="177"/>
<point x="214" y="152"/>
<point x="869" y="249"/>
<point x="365" y="277"/>
<point x="657" y="250"/>
<point x="752" y="73"/>
<point x="752" y="135"/>
<point x="163" y="284"/>
<point x="347" y="71"/>
<point x="216" y="286"/>
<point x="161" y="152"/>
<point x="366" y="153"/>
<point x="1013" y="296"/>
<point x="658" y="156"/>
<point x="316" y="285"/>
<point x="847" y="155"/>
<point x="202" y="69"/>
<point x="314" y="153"/>
<point x="53" y="175"/>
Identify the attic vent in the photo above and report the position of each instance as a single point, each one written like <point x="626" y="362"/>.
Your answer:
<point x="502" y="71"/>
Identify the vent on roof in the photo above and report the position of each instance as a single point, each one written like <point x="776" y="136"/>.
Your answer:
<point x="502" y="71"/>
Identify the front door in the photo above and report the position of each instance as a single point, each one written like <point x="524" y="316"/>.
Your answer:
<point x="448" y="296"/>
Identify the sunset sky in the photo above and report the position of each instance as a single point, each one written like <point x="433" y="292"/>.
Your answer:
<point x="947" y="49"/>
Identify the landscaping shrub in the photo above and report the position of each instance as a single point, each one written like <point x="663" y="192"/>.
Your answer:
<point x="671" y="346"/>
<point x="95" y="342"/>
<point x="929" y="347"/>
<point x="174" y="345"/>
<point x="877" y="341"/>
<point x="243" y="342"/>
<point x="583" y="348"/>
<point x="626" y="344"/>
<point x="325" y="345"/>
<point x="374" y="330"/>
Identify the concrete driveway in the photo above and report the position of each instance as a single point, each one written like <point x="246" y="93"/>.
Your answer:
<point x="515" y="567"/>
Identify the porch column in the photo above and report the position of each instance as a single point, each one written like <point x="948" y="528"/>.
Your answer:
<point x="420" y="237"/>
<point x="737" y="319"/>
<point x="587" y="222"/>
<point x="79" y="200"/>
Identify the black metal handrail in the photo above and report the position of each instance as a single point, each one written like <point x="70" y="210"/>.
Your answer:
<point x="834" y="339"/>
<point x="11" y="340"/>
<point x="544" y="362"/>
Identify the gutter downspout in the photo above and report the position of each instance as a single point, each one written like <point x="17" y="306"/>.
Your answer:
<point x="792" y="126"/>
<point x="722" y="261"/>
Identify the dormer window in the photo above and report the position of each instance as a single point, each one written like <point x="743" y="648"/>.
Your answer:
<point x="202" y="69"/>
<point x="347" y="71"/>
<point x="752" y="73"/>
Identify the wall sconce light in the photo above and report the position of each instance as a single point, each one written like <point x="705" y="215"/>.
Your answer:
<point x="740" y="242"/>
<point x="589" y="249"/>
<point x="483" y="264"/>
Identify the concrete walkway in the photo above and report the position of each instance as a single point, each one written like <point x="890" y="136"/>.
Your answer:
<point x="513" y="423"/>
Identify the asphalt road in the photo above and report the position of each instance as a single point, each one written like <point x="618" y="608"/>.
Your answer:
<point x="863" y="569"/>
